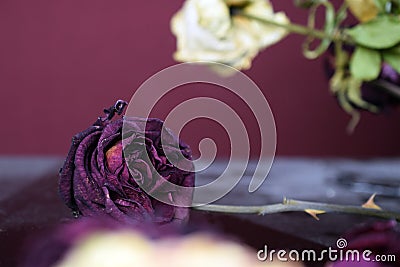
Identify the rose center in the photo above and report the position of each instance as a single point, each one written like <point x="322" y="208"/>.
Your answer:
<point x="114" y="157"/>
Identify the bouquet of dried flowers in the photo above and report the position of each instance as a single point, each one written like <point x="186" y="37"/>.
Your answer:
<point x="364" y="58"/>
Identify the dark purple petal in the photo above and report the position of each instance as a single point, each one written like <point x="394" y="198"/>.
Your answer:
<point x="67" y="171"/>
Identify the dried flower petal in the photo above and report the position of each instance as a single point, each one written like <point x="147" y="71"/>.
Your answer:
<point x="212" y="30"/>
<point x="363" y="10"/>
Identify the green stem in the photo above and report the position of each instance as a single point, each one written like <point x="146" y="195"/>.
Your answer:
<point x="300" y="29"/>
<point x="297" y="205"/>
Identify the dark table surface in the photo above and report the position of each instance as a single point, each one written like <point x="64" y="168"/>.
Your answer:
<point x="29" y="202"/>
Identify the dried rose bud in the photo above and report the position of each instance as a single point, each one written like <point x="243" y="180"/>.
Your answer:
<point x="95" y="179"/>
<point x="383" y="92"/>
<point x="378" y="92"/>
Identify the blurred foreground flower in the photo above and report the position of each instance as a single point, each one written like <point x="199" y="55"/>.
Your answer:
<point x="90" y="242"/>
<point x="214" y="30"/>
<point x="382" y="239"/>
<point x="96" y="180"/>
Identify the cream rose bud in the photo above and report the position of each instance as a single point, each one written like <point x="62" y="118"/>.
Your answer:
<point x="213" y="30"/>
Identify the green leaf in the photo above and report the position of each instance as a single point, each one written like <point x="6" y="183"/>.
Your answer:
<point x="344" y="102"/>
<point x="382" y="32"/>
<point x="392" y="57"/>
<point x="337" y="82"/>
<point x="355" y="97"/>
<point x="365" y="64"/>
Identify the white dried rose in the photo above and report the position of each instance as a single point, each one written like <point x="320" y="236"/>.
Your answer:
<point x="212" y="30"/>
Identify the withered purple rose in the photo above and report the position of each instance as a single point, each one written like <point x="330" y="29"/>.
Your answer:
<point x="95" y="179"/>
<point x="382" y="239"/>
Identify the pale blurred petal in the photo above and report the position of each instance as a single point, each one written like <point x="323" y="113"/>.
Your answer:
<point x="363" y="10"/>
<point x="206" y="31"/>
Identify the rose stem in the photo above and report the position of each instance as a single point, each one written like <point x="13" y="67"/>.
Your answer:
<point x="300" y="29"/>
<point x="297" y="205"/>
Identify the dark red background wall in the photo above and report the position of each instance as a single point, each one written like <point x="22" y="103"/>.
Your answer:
<point x="62" y="62"/>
